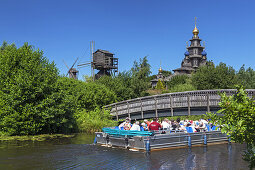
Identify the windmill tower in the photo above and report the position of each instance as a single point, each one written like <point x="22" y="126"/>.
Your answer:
<point x="101" y="60"/>
<point x="105" y="62"/>
<point x="72" y="72"/>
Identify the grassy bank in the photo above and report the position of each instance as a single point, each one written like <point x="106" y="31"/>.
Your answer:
<point x="42" y="137"/>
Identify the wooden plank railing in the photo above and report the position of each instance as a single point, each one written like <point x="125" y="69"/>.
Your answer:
<point x="189" y="99"/>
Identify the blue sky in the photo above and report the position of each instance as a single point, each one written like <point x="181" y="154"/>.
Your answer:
<point x="131" y="29"/>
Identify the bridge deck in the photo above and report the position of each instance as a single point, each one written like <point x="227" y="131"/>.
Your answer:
<point x="171" y="104"/>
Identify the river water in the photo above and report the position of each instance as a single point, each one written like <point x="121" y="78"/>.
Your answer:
<point x="80" y="153"/>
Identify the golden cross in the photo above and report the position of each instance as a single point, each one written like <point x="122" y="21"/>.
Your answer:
<point x="195" y="21"/>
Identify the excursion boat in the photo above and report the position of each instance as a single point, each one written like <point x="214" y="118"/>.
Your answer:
<point x="155" y="140"/>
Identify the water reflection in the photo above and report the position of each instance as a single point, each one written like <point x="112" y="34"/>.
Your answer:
<point x="77" y="153"/>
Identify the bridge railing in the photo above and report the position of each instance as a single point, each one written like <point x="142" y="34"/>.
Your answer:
<point x="189" y="99"/>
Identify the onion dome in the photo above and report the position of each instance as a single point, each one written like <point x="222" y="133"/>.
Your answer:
<point x="204" y="53"/>
<point x="195" y="31"/>
<point x="186" y="53"/>
<point x="160" y="70"/>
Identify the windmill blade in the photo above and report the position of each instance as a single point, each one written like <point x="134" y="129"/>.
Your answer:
<point x="67" y="67"/>
<point x="84" y="64"/>
<point x="74" y="63"/>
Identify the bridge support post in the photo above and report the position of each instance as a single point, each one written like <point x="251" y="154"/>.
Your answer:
<point x="171" y="105"/>
<point x="141" y="103"/>
<point x="208" y="103"/>
<point x="128" y="110"/>
<point x="188" y="105"/>
<point x="156" y="108"/>
<point x="116" y="111"/>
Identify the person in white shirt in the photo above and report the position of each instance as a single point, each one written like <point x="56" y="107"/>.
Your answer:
<point x="165" y="124"/>
<point x="136" y="126"/>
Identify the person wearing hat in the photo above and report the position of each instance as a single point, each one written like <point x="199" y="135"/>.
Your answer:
<point x="126" y="125"/>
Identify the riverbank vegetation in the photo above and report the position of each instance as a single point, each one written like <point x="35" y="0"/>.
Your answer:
<point x="237" y="120"/>
<point x="43" y="137"/>
<point x="36" y="99"/>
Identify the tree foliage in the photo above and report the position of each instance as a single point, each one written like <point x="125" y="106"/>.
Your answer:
<point x="160" y="85"/>
<point x="238" y="119"/>
<point x="120" y="85"/>
<point x="177" y="80"/>
<point x="211" y="77"/>
<point x="166" y="73"/>
<point x="246" y="77"/>
<point x="130" y="84"/>
<point x="85" y="95"/>
<point x="34" y="99"/>
<point x="28" y="99"/>
<point x="140" y="77"/>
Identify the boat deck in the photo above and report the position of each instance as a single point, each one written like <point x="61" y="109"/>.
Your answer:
<point x="155" y="140"/>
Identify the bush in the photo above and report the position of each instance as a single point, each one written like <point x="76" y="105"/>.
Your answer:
<point x="92" y="121"/>
<point x="29" y="100"/>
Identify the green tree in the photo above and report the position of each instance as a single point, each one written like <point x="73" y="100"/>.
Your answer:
<point x="160" y="85"/>
<point x="166" y="73"/>
<point x="246" y="77"/>
<point x="120" y="85"/>
<point x="140" y="78"/>
<point x="178" y="80"/>
<point x="85" y="95"/>
<point x="211" y="77"/>
<point x="29" y="100"/>
<point x="238" y="120"/>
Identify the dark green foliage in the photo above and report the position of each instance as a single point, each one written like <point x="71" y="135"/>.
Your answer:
<point x="211" y="77"/>
<point x="246" y="77"/>
<point x="238" y="119"/>
<point x="249" y="156"/>
<point x="120" y="85"/>
<point x="140" y="78"/>
<point x="85" y="95"/>
<point x="166" y="73"/>
<point x="180" y="83"/>
<point x="35" y="100"/>
<point x="177" y="80"/>
<point x="131" y="84"/>
<point x="28" y="99"/>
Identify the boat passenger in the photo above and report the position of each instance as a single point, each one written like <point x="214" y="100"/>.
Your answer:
<point x="136" y="126"/>
<point x="173" y="124"/>
<point x="144" y="126"/>
<point x="147" y="122"/>
<point x="165" y="124"/>
<point x="126" y="125"/>
<point x="201" y="127"/>
<point x="154" y="125"/>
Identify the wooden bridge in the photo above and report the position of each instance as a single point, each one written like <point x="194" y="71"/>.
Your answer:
<point x="171" y="104"/>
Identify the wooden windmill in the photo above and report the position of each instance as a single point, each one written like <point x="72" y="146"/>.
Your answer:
<point x="72" y="72"/>
<point x="101" y="60"/>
